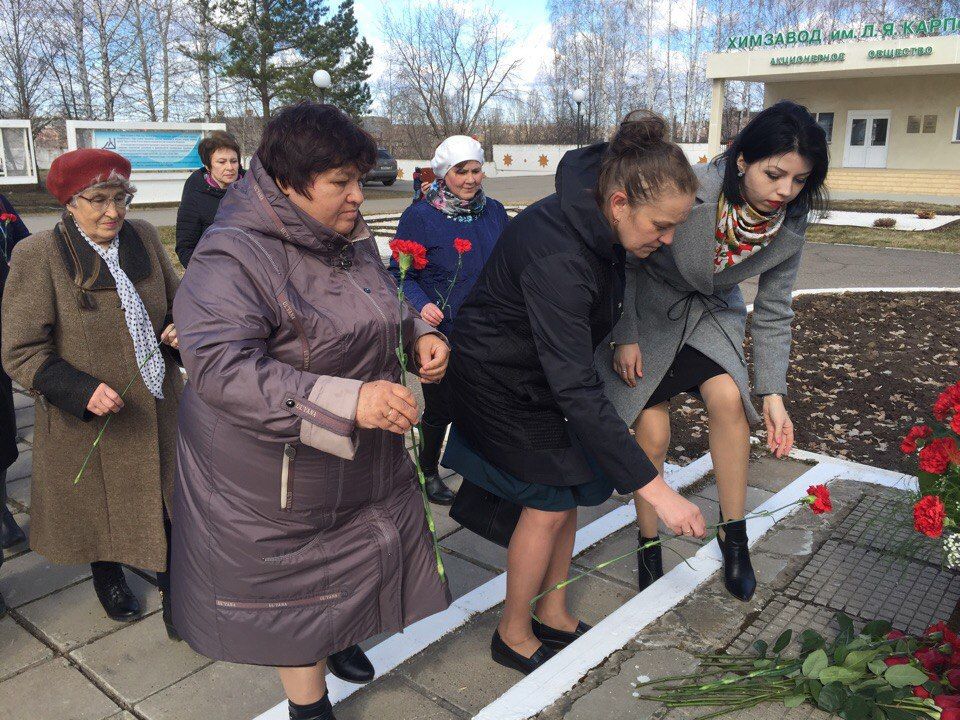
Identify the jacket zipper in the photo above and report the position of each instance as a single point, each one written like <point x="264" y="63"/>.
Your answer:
<point x="286" y="492"/>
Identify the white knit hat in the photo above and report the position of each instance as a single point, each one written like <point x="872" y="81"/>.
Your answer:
<point x="453" y="151"/>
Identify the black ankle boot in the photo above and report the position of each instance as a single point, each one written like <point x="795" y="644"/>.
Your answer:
<point x="738" y="573"/>
<point x="3" y="607"/>
<point x="352" y="665"/>
<point x="167" y="612"/>
<point x="432" y="438"/>
<point x="437" y="492"/>
<point x="320" y="710"/>
<point x="10" y="533"/>
<point x="649" y="562"/>
<point x="113" y="592"/>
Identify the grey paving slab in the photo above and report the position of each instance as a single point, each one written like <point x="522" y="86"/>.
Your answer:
<point x="119" y="660"/>
<point x="624" y="541"/>
<point x="614" y="697"/>
<point x="18" y="492"/>
<point x="773" y="475"/>
<point x="755" y="497"/>
<point x="767" y="711"/>
<point x="21" y="468"/>
<point x="863" y="582"/>
<point x="73" y="616"/>
<point x="463" y="575"/>
<point x="26" y="434"/>
<point x="19" y="649"/>
<point x="22" y="400"/>
<point x="26" y="416"/>
<point x="53" y="691"/>
<point x="221" y="691"/>
<point x="784" y="613"/>
<point x="459" y="668"/>
<point x="442" y="521"/>
<point x="473" y="546"/>
<point x="885" y="523"/>
<point x="31" y="576"/>
<point x="389" y="698"/>
<point x="123" y="715"/>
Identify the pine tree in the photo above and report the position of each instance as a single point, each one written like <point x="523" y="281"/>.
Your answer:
<point x="275" y="46"/>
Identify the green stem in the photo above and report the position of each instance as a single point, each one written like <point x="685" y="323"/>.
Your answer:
<point x="402" y="356"/>
<point x="444" y="301"/>
<point x="96" y="443"/>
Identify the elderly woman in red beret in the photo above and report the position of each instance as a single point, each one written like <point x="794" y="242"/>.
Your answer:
<point x="87" y="316"/>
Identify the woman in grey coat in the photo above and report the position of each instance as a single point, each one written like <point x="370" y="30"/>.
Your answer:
<point x="299" y="528"/>
<point x="684" y="318"/>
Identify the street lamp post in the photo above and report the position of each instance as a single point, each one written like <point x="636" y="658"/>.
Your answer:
<point x="578" y="96"/>
<point x="321" y="78"/>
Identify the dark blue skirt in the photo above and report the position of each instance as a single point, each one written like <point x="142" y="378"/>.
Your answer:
<point x="474" y="468"/>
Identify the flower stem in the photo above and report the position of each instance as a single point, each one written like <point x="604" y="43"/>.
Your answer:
<point x="96" y="442"/>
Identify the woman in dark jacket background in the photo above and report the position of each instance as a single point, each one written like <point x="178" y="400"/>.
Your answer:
<point x="454" y="207"/>
<point x="205" y="188"/>
<point x="12" y="231"/>
<point x="531" y="421"/>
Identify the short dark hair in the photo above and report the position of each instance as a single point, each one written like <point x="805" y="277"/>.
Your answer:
<point x="217" y="140"/>
<point x="781" y="128"/>
<point x="643" y="161"/>
<point x="309" y="138"/>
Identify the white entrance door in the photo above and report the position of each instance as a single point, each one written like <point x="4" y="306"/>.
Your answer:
<point x="868" y="134"/>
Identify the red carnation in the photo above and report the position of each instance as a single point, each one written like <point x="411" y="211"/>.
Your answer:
<point x="953" y="677"/>
<point x="947" y="400"/>
<point x="950" y="714"/>
<point x="896" y="660"/>
<point x="955" y="423"/>
<point x="936" y="454"/>
<point x="941" y="627"/>
<point x="909" y="444"/>
<point x="462" y="245"/>
<point x="818" y="498"/>
<point x="895" y="635"/>
<point x="416" y="252"/>
<point x="929" y="515"/>
<point x="920" y="692"/>
<point x="947" y="701"/>
<point x="931" y="659"/>
<point x="8" y="217"/>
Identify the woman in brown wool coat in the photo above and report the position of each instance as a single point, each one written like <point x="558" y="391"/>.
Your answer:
<point x="299" y="528"/>
<point x="85" y="304"/>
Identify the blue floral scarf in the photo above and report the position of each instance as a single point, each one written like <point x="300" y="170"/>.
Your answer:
<point x="440" y="196"/>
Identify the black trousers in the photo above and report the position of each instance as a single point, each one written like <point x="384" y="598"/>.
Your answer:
<point x="436" y="418"/>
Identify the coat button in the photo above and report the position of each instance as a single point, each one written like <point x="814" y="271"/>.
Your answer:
<point x="367" y="290"/>
<point x="289" y="403"/>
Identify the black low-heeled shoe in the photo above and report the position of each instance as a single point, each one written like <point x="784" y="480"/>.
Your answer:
<point x="115" y="596"/>
<point x="555" y="639"/>
<point x="649" y="562"/>
<point x="738" y="575"/>
<point x="437" y="492"/>
<point x="352" y="665"/>
<point x="11" y="533"/>
<point x="508" y="657"/>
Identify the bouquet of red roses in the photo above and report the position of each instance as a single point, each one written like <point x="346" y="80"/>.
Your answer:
<point x="938" y="456"/>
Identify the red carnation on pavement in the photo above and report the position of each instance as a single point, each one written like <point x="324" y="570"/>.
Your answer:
<point x="818" y="498"/>
<point x="416" y="252"/>
<point x="936" y="455"/>
<point x="929" y="516"/>
<point x="909" y="444"/>
<point x="895" y="635"/>
<point x="931" y="659"/>
<point x="896" y="660"/>
<point x="941" y="627"/>
<point x="462" y="245"/>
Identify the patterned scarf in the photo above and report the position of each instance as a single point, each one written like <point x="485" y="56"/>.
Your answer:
<point x="742" y="230"/>
<point x="135" y="314"/>
<point x="439" y="195"/>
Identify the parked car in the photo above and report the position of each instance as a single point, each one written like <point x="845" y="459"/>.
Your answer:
<point x="385" y="170"/>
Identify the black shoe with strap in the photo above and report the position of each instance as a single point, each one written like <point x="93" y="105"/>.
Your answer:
<point x="738" y="575"/>
<point x="649" y="562"/>
<point x="508" y="657"/>
<point x="555" y="639"/>
<point x="352" y="665"/>
<point x="113" y="592"/>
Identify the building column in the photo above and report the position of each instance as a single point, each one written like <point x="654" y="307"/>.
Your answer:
<point x="718" y="91"/>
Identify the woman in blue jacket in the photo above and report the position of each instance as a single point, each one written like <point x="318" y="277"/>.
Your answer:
<point x="454" y="208"/>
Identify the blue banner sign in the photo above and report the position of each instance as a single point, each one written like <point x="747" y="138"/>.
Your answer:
<point x="153" y="149"/>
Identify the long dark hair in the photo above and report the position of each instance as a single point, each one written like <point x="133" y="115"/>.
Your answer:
<point x="641" y="160"/>
<point x="781" y="128"/>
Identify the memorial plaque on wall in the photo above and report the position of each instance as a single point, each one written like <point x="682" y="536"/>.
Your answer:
<point x="929" y="123"/>
<point x="153" y="149"/>
<point x="913" y="124"/>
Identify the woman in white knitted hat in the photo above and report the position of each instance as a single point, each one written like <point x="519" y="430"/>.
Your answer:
<point x="459" y="225"/>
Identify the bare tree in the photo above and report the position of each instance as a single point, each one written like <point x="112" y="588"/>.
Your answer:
<point x="22" y="68"/>
<point x="448" y="65"/>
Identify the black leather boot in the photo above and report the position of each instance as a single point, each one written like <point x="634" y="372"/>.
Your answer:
<point x="432" y="437"/>
<point x="508" y="657"/>
<point x="351" y="665"/>
<point x="113" y="592"/>
<point x="167" y="612"/>
<point x="649" y="562"/>
<point x="320" y="710"/>
<point x="10" y="533"/>
<point x="3" y="607"/>
<point x="738" y="574"/>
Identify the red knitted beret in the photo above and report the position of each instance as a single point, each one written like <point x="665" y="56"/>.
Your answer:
<point x="77" y="170"/>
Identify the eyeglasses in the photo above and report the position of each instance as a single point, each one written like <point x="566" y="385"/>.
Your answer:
<point x="100" y="204"/>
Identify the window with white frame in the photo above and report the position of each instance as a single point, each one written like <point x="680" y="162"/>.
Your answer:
<point x="956" y="126"/>
<point x="825" y="119"/>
